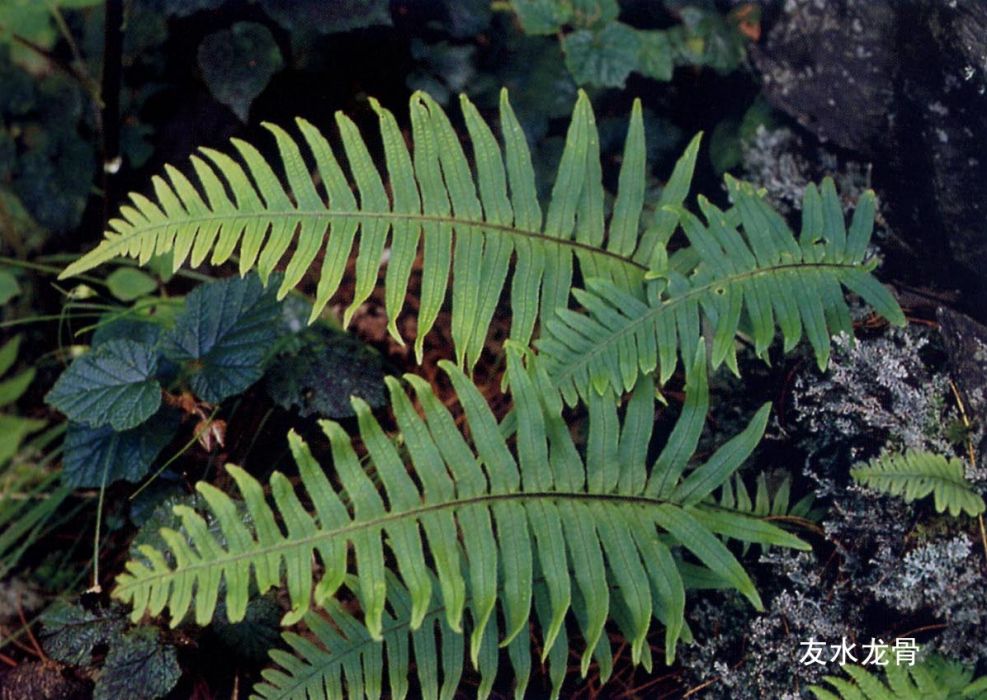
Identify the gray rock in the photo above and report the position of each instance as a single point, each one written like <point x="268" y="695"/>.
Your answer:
<point x="905" y="85"/>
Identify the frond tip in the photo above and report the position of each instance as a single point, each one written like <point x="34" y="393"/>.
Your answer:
<point x="914" y="475"/>
<point x="743" y="271"/>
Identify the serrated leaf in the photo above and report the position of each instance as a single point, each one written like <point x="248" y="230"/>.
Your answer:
<point x="256" y="633"/>
<point x="128" y="284"/>
<point x="541" y="16"/>
<point x="147" y="332"/>
<point x="138" y="667"/>
<point x="319" y="377"/>
<point x="225" y="334"/>
<point x="92" y="452"/>
<point x="605" y="57"/>
<point x="111" y="385"/>
<point x="69" y="632"/>
<point x="655" y="57"/>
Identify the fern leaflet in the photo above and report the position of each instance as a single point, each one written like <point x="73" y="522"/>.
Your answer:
<point x="933" y="679"/>
<point x="914" y="475"/>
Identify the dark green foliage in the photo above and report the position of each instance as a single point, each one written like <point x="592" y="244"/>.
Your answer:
<point x="100" y="456"/>
<point x="237" y="63"/>
<point x="328" y="17"/>
<point x="253" y="637"/>
<point x="321" y="370"/>
<point x="605" y="57"/>
<point x="135" y="663"/>
<point x="112" y="385"/>
<point x="44" y="163"/>
<point x="225" y="335"/>
<point x="70" y="633"/>
<point x="138" y="666"/>
<point x="602" y="51"/>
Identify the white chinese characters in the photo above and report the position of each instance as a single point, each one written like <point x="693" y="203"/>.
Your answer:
<point x="876" y="652"/>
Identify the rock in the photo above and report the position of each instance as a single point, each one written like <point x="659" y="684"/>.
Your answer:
<point x="905" y="85"/>
<point x="965" y="341"/>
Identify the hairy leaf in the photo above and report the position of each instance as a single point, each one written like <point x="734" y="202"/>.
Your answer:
<point x="69" y="632"/>
<point x="98" y="456"/>
<point x="604" y="57"/>
<point x="225" y="335"/>
<point x="111" y="385"/>
<point x="139" y="667"/>
<point x="323" y="372"/>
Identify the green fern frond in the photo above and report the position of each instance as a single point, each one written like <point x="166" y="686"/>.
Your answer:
<point x="767" y="500"/>
<point x="914" y="475"/>
<point x="934" y="678"/>
<point x="343" y="654"/>
<point x="584" y="522"/>
<point x="759" y="281"/>
<point x="468" y="225"/>
<point x="774" y="503"/>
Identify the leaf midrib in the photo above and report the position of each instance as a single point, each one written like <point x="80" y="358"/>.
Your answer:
<point x="414" y="513"/>
<point x="123" y="239"/>
<point x="571" y="368"/>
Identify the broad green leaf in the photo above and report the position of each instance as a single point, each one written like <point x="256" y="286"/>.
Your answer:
<point x="111" y="385"/>
<point x="138" y="666"/>
<point x="128" y="284"/>
<point x="225" y="336"/>
<point x="237" y="63"/>
<point x="97" y="455"/>
<point x="602" y="57"/>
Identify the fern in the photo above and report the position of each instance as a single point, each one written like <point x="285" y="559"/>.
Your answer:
<point x="584" y="523"/>
<point x="915" y="475"/>
<point x="466" y="223"/>
<point x="774" y="504"/>
<point x="760" y="281"/>
<point x="933" y="679"/>
<point x="343" y="648"/>
<point x="472" y="226"/>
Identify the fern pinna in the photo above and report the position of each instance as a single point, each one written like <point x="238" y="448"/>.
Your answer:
<point x="597" y="529"/>
<point x="915" y="474"/>
<point x="646" y="305"/>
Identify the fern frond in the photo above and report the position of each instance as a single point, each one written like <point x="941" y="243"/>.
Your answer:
<point x="466" y="224"/>
<point x="761" y="280"/>
<point x="343" y="654"/>
<point x="767" y="502"/>
<point x="584" y="522"/>
<point x="934" y="678"/>
<point x="914" y="475"/>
